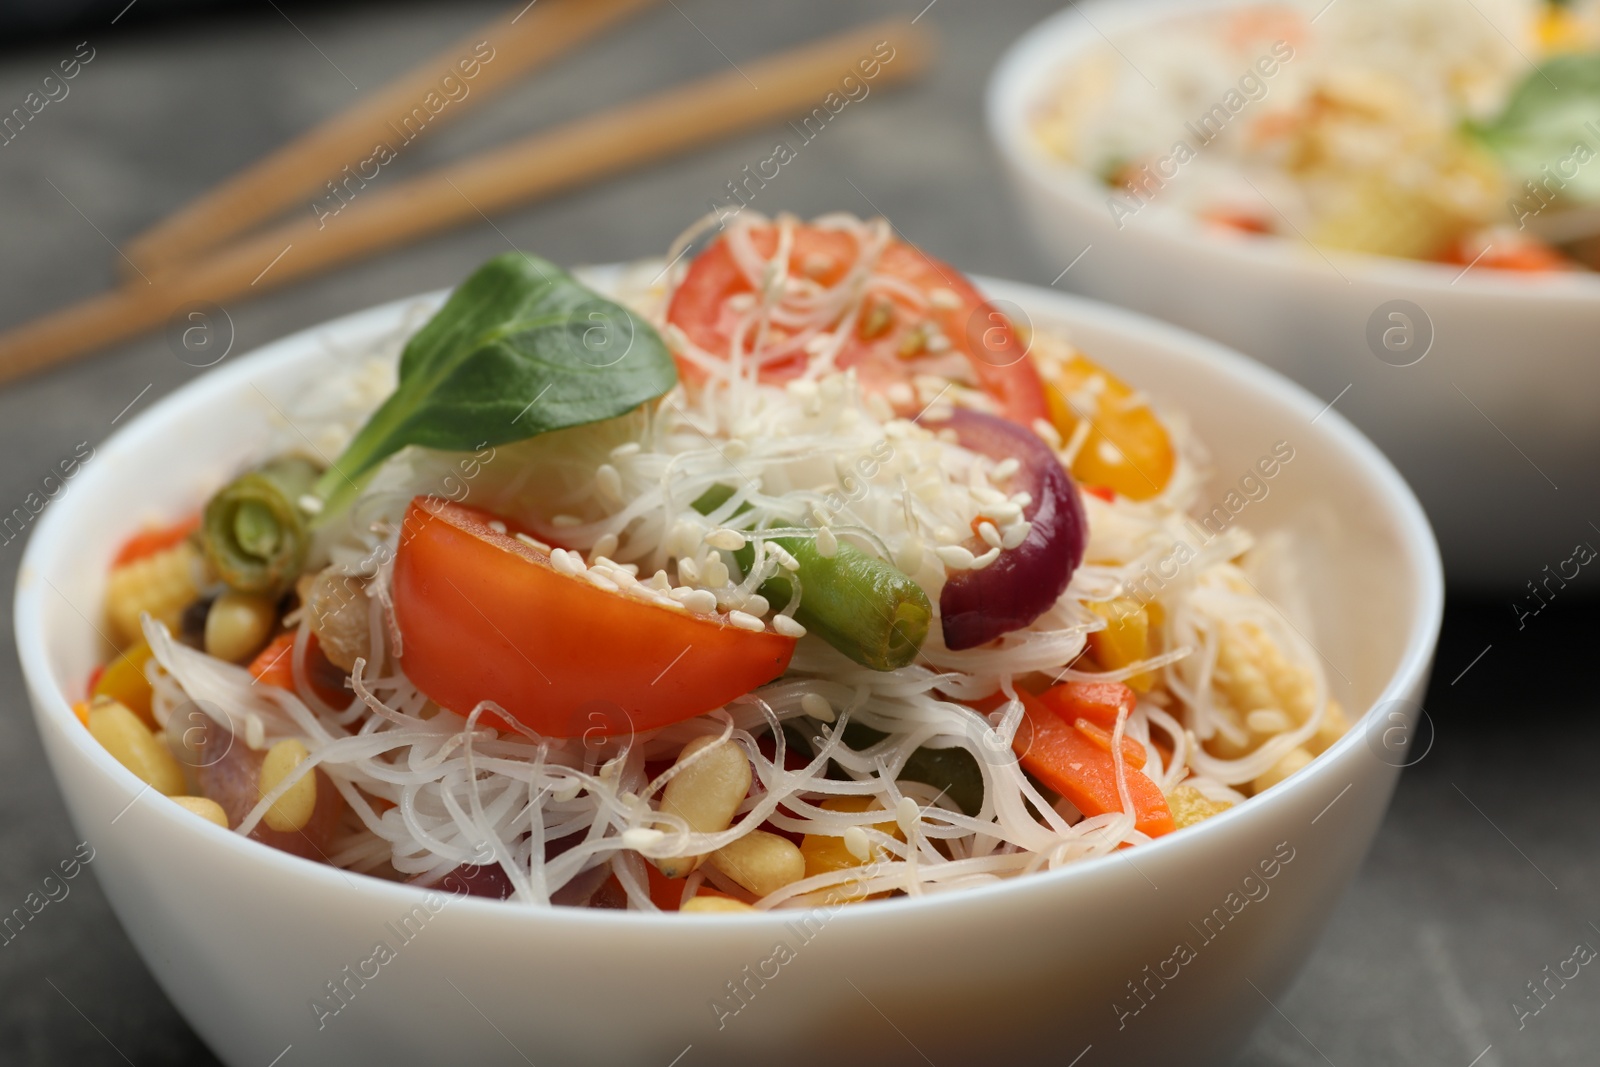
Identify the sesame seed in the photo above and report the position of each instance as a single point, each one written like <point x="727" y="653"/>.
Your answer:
<point x="716" y="574"/>
<point x="745" y="621"/>
<point x="937" y="342"/>
<point x="802" y="389"/>
<point x="637" y="837"/>
<point x="700" y="601"/>
<point x="497" y="526"/>
<point x="787" y="627"/>
<point x="984" y="495"/>
<point x="627" y="448"/>
<point x="857" y="844"/>
<point x="606" y="545"/>
<point x="907" y="814"/>
<point x="980" y="562"/>
<point x="1006" y="468"/>
<point x="566" y="562"/>
<point x="660" y="582"/>
<point x="602" y="581"/>
<point x="1048" y="432"/>
<point x="310" y="503"/>
<point x="901" y="395"/>
<point x="532" y="542"/>
<point x="732" y="540"/>
<point x="1015" y="534"/>
<point x="827" y="543"/>
<point x="781" y="554"/>
<point x="945" y="535"/>
<point x="816" y="705"/>
<point x="566" y="521"/>
<point x="944" y="298"/>
<point x="955" y="556"/>
<point x="756" y="604"/>
<point x="990" y="535"/>
<point x="1003" y="513"/>
<point x="1022" y="500"/>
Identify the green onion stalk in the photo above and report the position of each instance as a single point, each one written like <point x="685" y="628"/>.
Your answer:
<point x="254" y="531"/>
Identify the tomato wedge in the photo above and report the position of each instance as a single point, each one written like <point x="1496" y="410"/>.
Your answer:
<point x="485" y="616"/>
<point x="889" y="343"/>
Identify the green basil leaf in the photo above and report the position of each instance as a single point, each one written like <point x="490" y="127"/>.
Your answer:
<point x="1552" y="120"/>
<point x="518" y="350"/>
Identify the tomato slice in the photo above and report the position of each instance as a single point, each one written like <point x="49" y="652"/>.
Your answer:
<point x="485" y="616"/>
<point x="895" y="334"/>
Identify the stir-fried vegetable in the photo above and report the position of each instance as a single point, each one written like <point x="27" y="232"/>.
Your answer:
<point x="518" y="350"/>
<point x="487" y="616"/>
<point x="254" y="531"/>
<point x="978" y="606"/>
<point x="859" y="604"/>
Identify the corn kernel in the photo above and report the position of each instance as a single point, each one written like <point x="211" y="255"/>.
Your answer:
<point x="292" y="810"/>
<point x="1190" y="806"/>
<point x="131" y="743"/>
<point x="163" y="584"/>
<point x="711" y="904"/>
<point x="204" y="807"/>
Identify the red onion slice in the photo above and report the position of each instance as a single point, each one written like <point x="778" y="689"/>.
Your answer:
<point x="979" y="606"/>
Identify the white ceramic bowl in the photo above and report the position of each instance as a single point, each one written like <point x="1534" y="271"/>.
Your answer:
<point x="243" y="938"/>
<point x="1499" y="412"/>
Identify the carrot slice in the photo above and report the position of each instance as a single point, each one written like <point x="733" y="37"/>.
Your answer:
<point x="159" y="539"/>
<point x="1068" y="761"/>
<point x="1099" y="702"/>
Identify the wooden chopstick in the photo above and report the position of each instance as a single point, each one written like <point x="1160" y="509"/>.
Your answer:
<point x="587" y="148"/>
<point x="526" y="36"/>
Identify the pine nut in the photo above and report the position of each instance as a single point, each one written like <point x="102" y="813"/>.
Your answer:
<point x="237" y="625"/>
<point x="204" y="807"/>
<point x="705" y="794"/>
<point x="708" y="904"/>
<point x="292" y="810"/>
<point x="131" y="744"/>
<point x="761" y="862"/>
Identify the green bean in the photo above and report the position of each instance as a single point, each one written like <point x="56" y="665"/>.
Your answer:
<point x="254" y="532"/>
<point x="859" y="604"/>
<point x="954" y="771"/>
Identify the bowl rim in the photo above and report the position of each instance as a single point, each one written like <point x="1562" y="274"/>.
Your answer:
<point x="51" y="705"/>
<point x="1019" y="79"/>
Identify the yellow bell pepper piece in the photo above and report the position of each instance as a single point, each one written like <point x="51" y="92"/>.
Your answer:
<point x="123" y="680"/>
<point x="1127" y="449"/>
<point x="1125" y="640"/>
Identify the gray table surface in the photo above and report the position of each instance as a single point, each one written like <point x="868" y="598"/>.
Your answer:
<point x="1457" y="906"/>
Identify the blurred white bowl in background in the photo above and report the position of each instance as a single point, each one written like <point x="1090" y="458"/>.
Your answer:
<point x="245" y="939"/>
<point x="1496" y="426"/>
